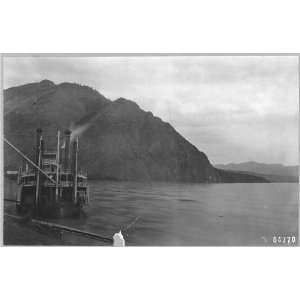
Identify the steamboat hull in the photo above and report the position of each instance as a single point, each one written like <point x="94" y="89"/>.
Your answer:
<point x="47" y="206"/>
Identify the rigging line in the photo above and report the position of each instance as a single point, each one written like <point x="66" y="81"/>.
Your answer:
<point x="28" y="160"/>
<point x="131" y="224"/>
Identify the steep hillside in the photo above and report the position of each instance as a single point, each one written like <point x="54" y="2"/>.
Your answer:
<point x="118" y="140"/>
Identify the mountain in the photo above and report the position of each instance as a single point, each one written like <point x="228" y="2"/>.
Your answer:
<point x="118" y="140"/>
<point x="272" y="172"/>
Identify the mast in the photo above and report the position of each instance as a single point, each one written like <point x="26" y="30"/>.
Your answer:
<point x="57" y="165"/>
<point x="37" y="144"/>
<point x="37" y="188"/>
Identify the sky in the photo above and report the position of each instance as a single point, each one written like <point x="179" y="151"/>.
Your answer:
<point x="234" y="108"/>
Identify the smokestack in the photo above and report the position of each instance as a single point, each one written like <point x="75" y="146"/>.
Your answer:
<point x="74" y="168"/>
<point x="67" y="149"/>
<point x="37" y="149"/>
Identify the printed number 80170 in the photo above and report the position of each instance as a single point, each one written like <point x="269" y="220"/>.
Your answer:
<point x="284" y="239"/>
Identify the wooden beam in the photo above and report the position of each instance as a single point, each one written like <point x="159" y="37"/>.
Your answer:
<point x="73" y="230"/>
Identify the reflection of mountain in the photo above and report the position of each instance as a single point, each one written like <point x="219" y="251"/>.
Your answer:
<point x="272" y="172"/>
<point x="118" y="140"/>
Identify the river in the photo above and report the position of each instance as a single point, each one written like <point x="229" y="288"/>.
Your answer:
<point x="170" y="214"/>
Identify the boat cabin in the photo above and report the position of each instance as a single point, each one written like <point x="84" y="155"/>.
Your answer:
<point x="53" y="185"/>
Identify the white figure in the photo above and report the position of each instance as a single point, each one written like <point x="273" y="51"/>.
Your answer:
<point x="118" y="240"/>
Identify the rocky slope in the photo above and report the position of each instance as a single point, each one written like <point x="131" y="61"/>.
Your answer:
<point x="118" y="140"/>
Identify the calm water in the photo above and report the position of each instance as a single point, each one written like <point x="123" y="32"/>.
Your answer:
<point x="192" y="214"/>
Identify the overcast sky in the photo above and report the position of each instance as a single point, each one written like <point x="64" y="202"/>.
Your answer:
<point x="234" y="109"/>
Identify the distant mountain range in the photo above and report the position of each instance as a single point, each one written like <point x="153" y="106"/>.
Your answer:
<point x="117" y="139"/>
<point x="272" y="172"/>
